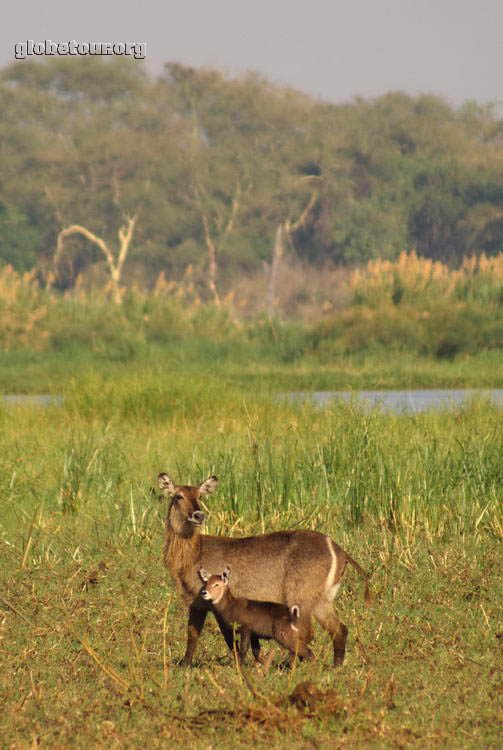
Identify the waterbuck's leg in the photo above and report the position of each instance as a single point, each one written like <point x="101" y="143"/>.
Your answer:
<point x="304" y="652"/>
<point x="297" y="648"/>
<point x="325" y="614"/>
<point x="244" y="642"/>
<point x="197" y="616"/>
<point x="255" y="647"/>
<point x="247" y="637"/>
<point x="226" y="630"/>
<point x="339" y="641"/>
<point x="294" y="644"/>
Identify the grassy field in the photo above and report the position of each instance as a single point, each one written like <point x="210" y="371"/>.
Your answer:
<point x="91" y="630"/>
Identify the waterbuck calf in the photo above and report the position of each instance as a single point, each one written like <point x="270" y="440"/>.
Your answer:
<point x="264" y="619"/>
<point x="285" y="567"/>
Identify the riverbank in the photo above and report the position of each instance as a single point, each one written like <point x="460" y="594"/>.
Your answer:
<point x="54" y="372"/>
<point x="402" y="325"/>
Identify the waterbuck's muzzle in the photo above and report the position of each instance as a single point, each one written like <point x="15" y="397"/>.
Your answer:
<point x="197" y="518"/>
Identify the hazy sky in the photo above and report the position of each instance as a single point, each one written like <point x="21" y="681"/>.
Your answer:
<point x="334" y="49"/>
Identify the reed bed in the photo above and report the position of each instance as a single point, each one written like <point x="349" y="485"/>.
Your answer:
<point x="410" y="306"/>
<point x="441" y="467"/>
<point x="421" y="279"/>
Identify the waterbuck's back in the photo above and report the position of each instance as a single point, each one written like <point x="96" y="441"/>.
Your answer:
<point x="287" y="567"/>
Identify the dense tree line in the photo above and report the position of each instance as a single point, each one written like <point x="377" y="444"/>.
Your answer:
<point x="224" y="173"/>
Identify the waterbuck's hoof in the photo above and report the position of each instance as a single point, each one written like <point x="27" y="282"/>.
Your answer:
<point x="339" y="658"/>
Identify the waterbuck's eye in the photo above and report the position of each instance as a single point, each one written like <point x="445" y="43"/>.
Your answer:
<point x="178" y="496"/>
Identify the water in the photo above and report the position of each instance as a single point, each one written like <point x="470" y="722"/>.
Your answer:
<point x="400" y="402"/>
<point x="42" y="399"/>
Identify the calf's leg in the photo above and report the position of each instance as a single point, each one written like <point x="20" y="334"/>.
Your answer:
<point x="247" y="637"/>
<point x="226" y="630"/>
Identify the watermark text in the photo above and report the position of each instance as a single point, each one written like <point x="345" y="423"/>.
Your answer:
<point x="22" y="50"/>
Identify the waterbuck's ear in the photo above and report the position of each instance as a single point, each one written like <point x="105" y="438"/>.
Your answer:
<point x="203" y="575"/>
<point x="166" y="484"/>
<point x="208" y="486"/>
<point x="295" y="612"/>
<point x="226" y="574"/>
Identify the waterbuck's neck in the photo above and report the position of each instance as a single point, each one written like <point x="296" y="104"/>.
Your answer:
<point x="181" y="553"/>
<point x="230" y="606"/>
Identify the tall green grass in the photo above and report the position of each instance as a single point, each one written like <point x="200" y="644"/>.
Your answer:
<point x="101" y="451"/>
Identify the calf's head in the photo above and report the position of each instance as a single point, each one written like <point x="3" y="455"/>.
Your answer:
<point x="214" y="586"/>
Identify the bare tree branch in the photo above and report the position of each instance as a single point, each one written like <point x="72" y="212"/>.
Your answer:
<point x="234" y="211"/>
<point x="125" y="236"/>
<point x="52" y="200"/>
<point x="116" y="188"/>
<point x="77" y="229"/>
<point x="305" y="213"/>
<point x="277" y="254"/>
<point x="212" y="258"/>
<point x="114" y="267"/>
<point x="212" y="245"/>
<point x="284" y="232"/>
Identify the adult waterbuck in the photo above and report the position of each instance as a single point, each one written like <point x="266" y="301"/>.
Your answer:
<point x="299" y="567"/>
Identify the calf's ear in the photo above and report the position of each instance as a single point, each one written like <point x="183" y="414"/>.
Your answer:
<point x="226" y="574"/>
<point x="203" y="575"/>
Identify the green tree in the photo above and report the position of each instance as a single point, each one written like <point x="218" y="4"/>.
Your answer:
<point x="19" y="239"/>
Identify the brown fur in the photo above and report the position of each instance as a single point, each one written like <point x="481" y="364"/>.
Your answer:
<point x="286" y="567"/>
<point x="179" y="554"/>
<point x="265" y="619"/>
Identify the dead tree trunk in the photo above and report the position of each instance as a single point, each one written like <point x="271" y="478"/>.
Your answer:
<point x="284" y="231"/>
<point x="277" y="254"/>
<point x="222" y="229"/>
<point x="115" y="267"/>
<point x="212" y="262"/>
